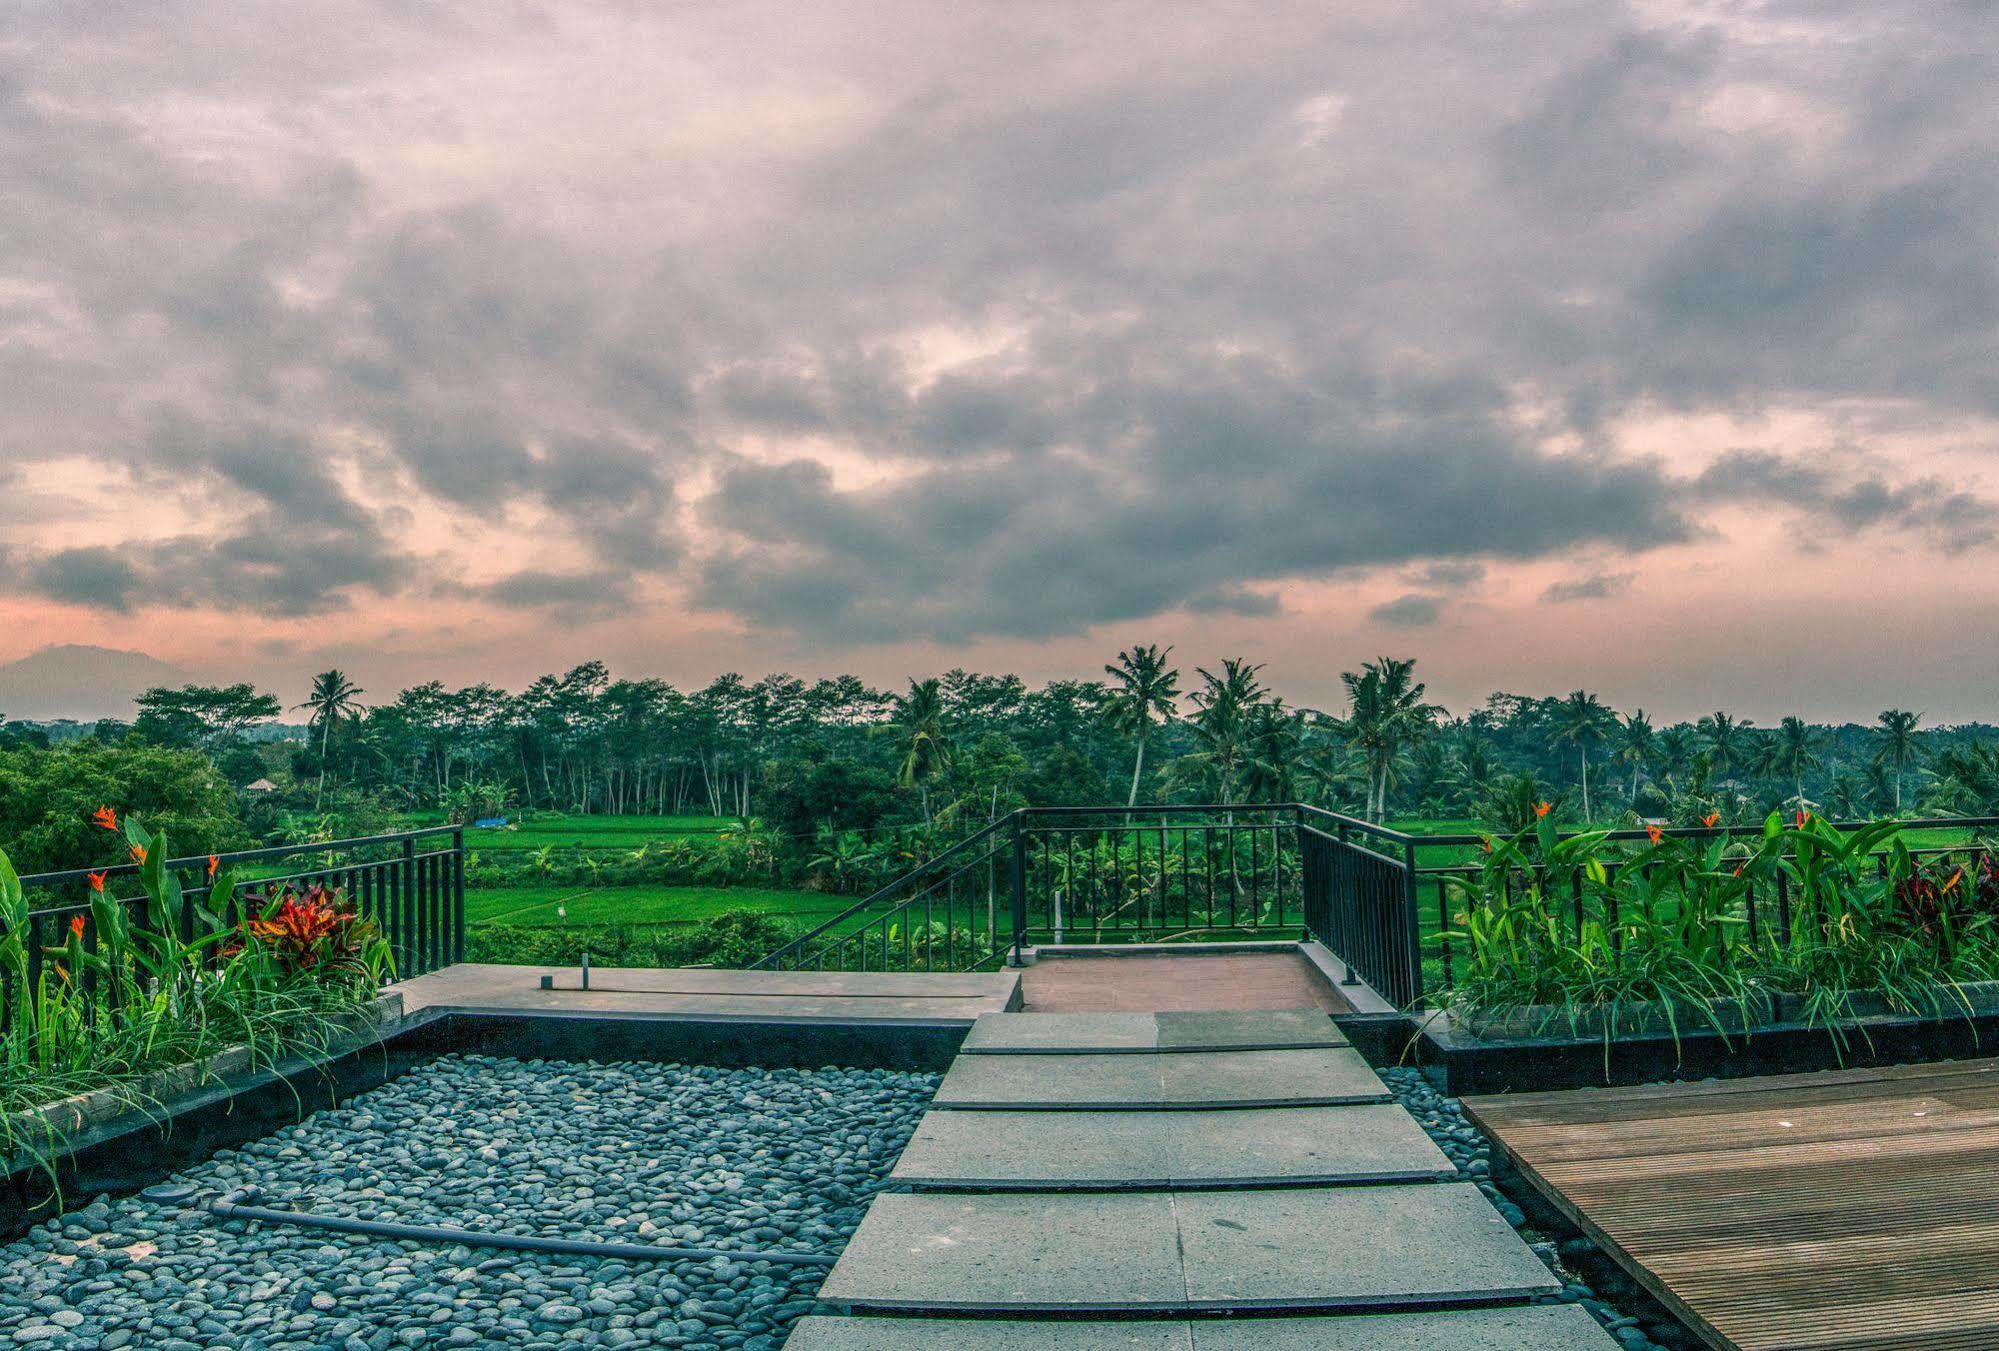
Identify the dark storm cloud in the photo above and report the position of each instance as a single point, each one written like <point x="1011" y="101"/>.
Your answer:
<point x="1234" y="601"/>
<point x="1590" y="586"/>
<point x="1448" y="574"/>
<point x="1412" y="611"/>
<point x="1099" y="320"/>
<point x="566" y="598"/>
<point x="1850" y="492"/>
<point x="1224" y="477"/>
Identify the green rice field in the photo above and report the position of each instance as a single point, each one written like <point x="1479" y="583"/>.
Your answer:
<point x="547" y="906"/>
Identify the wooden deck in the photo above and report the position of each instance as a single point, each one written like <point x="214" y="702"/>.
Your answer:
<point x="1848" y="1211"/>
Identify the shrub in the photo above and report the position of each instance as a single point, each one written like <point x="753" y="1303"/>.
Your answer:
<point x="736" y="938"/>
<point x="125" y="994"/>
<point x="1582" y="927"/>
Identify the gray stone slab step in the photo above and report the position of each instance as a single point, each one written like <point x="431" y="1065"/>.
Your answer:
<point x="1113" y="1082"/>
<point x="1343" y="1246"/>
<point x="1548" y="1327"/>
<point x="1073" y="1252"/>
<point x="1142" y="1033"/>
<point x="985" y="1334"/>
<point x="1426" y="1244"/>
<point x="1545" y="1327"/>
<point x="1133" y="1150"/>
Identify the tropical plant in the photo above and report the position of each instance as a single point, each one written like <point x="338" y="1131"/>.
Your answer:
<point x="333" y="697"/>
<point x="1635" y="741"/>
<point x="1583" y="722"/>
<point x="128" y="991"/>
<point x="1793" y="752"/>
<point x="1896" y="738"/>
<point x="1386" y="714"/>
<point x="1146" y="689"/>
<point x="921" y="727"/>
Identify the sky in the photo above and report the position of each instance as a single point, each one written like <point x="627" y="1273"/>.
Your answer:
<point x="1647" y="347"/>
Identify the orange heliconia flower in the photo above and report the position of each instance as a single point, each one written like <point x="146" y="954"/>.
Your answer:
<point x="1543" y="808"/>
<point x="76" y="925"/>
<point x="138" y="852"/>
<point x="1803" y="816"/>
<point x="1655" y="833"/>
<point x="1955" y="878"/>
<point x="214" y="862"/>
<point x="1738" y="870"/>
<point x="105" y="817"/>
<point x="1710" y="819"/>
<point x="97" y="881"/>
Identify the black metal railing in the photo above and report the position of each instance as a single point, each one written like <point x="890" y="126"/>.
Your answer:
<point x="411" y="890"/>
<point x="955" y="912"/>
<point x="1361" y="900"/>
<point x="1763" y="911"/>
<point x="1073" y="875"/>
<point x="1379" y="899"/>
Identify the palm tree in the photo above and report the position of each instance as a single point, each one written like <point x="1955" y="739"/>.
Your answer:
<point x="1583" y="721"/>
<point x="1221" y="728"/>
<point x="333" y="696"/>
<point x="926" y="740"/>
<point x="1674" y="748"/>
<point x="1794" y="753"/>
<point x="1276" y="739"/>
<point x="1387" y="714"/>
<point x="1634" y="747"/>
<point x="1146" y="689"/>
<point x="1896" y="737"/>
<point x="1726" y="741"/>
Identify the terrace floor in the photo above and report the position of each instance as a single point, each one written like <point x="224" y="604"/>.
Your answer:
<point x="1154" y="983"/>
<point x="1843" y="1211"/>
<point x="835" y="996"/>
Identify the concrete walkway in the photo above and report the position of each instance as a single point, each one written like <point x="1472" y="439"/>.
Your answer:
<point x="1090" y="1167"/>
<point x="788" y="996"/>
<point x="1154" y="979"/>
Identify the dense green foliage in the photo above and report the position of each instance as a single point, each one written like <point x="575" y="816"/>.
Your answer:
<point x="1579" y="927"/>
<point x="735" y="938"/>
<point x="122" y="994"/>
<point x="836" y="785"/>
<point x="47" y="797"/>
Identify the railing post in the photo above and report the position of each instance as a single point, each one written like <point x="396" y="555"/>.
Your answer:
<point x="1019" y="884"/>
<point x="1412" y="918"/>
<point x="458" y="895"/>
<point x="411" y="907"/>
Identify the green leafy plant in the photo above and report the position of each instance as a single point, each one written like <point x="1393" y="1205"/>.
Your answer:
<point x="141" y="984"/>
<point x="1616" y="936"/>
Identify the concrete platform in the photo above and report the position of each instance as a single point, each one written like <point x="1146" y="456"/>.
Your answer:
<point x="789" y="996"/>
<point x="1136" y="1150"/>
<point x="1146" y="978"/>
<point x="1424" y="1244"/>
<point x="1128" y="1033"/>
<point x="1195" y="1080"/>
<point x="1555" y="1327"/>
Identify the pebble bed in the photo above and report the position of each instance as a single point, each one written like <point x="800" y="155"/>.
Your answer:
<point x="1614" y="1297"/>
<point x="773" y="1160"/>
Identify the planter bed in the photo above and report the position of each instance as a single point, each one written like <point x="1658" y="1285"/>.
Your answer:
<point x="1533" y="1050"/>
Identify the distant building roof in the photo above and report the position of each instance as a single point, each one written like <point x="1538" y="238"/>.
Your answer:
<point x="260" y="786"/>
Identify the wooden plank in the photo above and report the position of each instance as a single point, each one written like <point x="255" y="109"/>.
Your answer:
<point x="1854" y="1211"/>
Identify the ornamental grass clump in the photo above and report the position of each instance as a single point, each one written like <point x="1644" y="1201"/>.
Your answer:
<point x="1822" y="924"/>
<point x="167" y="978"/>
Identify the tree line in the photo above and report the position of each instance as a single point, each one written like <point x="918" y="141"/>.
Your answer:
<point x="838" y="754"/>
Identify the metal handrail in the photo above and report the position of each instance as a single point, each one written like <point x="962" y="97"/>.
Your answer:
<point x="238" y="856"/>
<point x="919" y="872"/>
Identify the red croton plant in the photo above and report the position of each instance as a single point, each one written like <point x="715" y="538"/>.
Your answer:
<point x="311" y="930"/>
